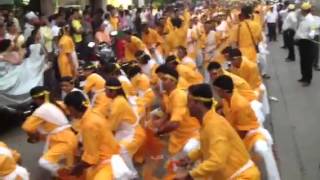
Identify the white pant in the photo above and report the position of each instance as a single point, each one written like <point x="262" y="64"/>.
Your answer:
<point x="264" y="150"/>
<point x="51" y="167"/>
<point x="257" y="107"/>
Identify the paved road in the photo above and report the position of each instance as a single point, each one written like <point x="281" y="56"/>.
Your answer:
<point x="294" y="123"/>
<point x="295" y="118"/>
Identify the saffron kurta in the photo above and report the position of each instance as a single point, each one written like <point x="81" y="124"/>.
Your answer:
<point x="221" y="152"/>
<point x="61" y="145"/>
<point x="176" y="107"/>
<point x="249" y="71"/>
<point x="66" y="47"/>
<point x="122" y="116"/>
<point x="242" y="87"/>
<point x="98" y="145"/>
<point x="8" y="164"/>
<point x="132" y="47"/>
<point x="245" y="41"/>
<point x="94" y="82"/>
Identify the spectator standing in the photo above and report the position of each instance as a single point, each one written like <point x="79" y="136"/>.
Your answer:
<point x="67" y="59"/>
<point x="46" y="35"/>
<point x="32" y="20"/>
<point x="77" y="30"/>
<point x="283" y="13"/>
<point x="304" y="36"/>
<point x="289" y="29"/>
<point x="271" y="20"/>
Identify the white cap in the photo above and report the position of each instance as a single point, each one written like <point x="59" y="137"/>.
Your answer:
<point x="31" y="15"/>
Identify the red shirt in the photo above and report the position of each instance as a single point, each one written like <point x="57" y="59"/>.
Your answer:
<point x="120" y="49"/>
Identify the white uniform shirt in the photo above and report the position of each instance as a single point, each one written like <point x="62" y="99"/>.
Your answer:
<point x="291" y="21"/>
<point x="283" y="14"/>
<point x="147" y="68"/>
<point x="306" y="29"/>
<point x="271" y="17"/>
<point x="317" y="24"/>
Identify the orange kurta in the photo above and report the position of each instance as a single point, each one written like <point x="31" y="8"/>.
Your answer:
<point x="94" y="82"/>
<point x="114" y="20"/>
<point x="192" y="76"/>
<point x="141" y="83"/>
<point x="239" y="113"/>
<point x="66" y="47"/>
<point x="151" y="38"/>
<point x="242" y="87"/>
<point x="98" y="145"/>
<point x="244" y="40"/>
<point x="61" y="145"/>
<point x="176" y="107"/>
<point x="222" y="152"/>
<point x="249" y="71"/>
<point x="132" y="47"/>
<point x="8" y="164"/>
<point x="121" y="113"/>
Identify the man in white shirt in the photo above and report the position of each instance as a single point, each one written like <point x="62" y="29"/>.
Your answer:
<point x="305" y="40"/>
<point x="271" y="20"/>
<point x="289" y="29"/>
<point x="32" y="19"/>
<point x="283" y="13"/>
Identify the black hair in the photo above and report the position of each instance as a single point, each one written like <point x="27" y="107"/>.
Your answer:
<point x="224" y="82"/>
<point x="213" y="66"/>
<point x="40" y="89"/>
<point x="226" y="50"/>
<point x="89" y="66"/>
<point x="31" y="40"/>
<point x="246" y="11"/>
<point x="171" y="59"/>
<point x="235" y="53"/>
<point x="127" y="12"/>
<point x="107" y="16"/>
<point x="68" y="79"/>
<point x="111" y="69"/>
<point x="177" y="22"/>
<point x="76" y="100"/>
<point x="37" y="90"/>
<point x="4" y="45"/>
<point x="121" y="13"/>
<point x="202" y="90"/>
<point x="165" y="69"/>
<point x="109" y="7"/>
<point x="10" y="24"/>
<point x="112" y="81"/>
<point x="53" y="17"/>
<point x="99" y="11"/>
<point x="133" y="71"/>
<point x="143" y="57"/>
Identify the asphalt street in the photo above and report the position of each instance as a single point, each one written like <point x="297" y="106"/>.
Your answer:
<point x="294" y="123"/>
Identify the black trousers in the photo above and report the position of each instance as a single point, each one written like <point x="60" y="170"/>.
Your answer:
<point x="289" y="42"/>
<point x="307" y="56"/>
<point x="316" y="51"/>
<point x="280" y="22"/>
<point x="272" y="29"/>
<point x="284" y="40"/>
